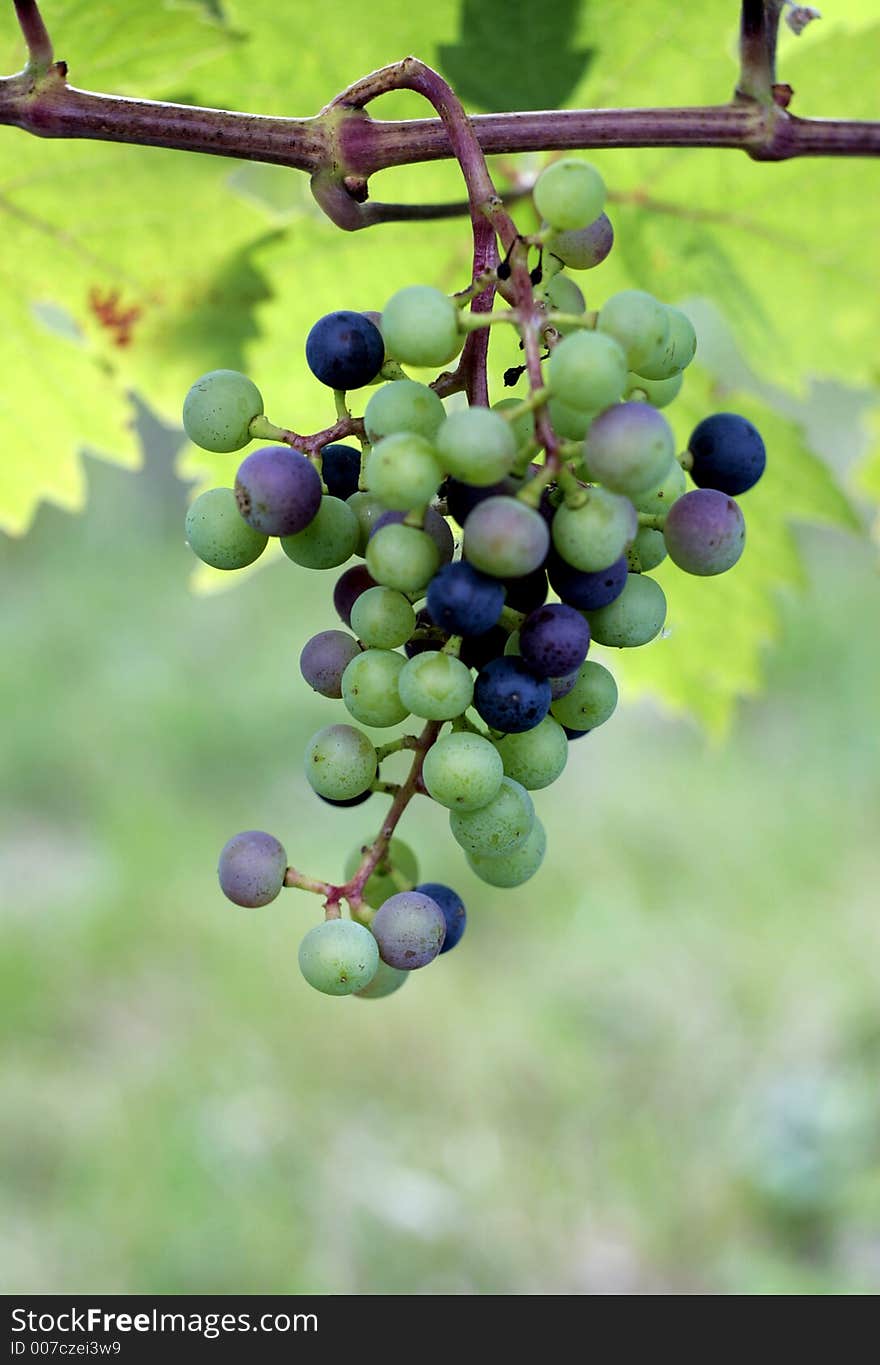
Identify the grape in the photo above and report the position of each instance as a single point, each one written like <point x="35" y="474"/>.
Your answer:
<point x="559" y="686"/>
<point x="659" y="392"/>
<point x="340" y="762"/>
<point x="348" y="589"/>
<point x="639" y="323"/>
<point x="591" y="537"/>
<point x="514" y="868"/>
<point x="629" y="448"/>
<point x="386" y="981"/>
<point x="586" y="591"/>
<point x="345" y="350"/>
<point x="219" y="408"/>
<point x="509" y="696"/>
<point x="583" y="248"/>
<point x="403" y="472"/>
<point x="433" y="525"/>
<point x="420" y="326"/>
<point x="453" y="909"/>
<point x="728" y="453"/>
<point x="409" y="929"/>
<point x="511" y="645"/>
<point x="572" y="423"/>
<point x="251" y="869"/>
<point x="341" y="470"/>
<point x="647" y="550"/>
<point x="462" y="771"/>
<point x="498" y="827"/>
<point x="633" y="618"/>
<point x="324" y="660"/>
<point x="351" y="801"/>
<point x="464" y="601"/>
<point x="429" y="636"/>
<point x="382" y="618"/>
<point x="587" y="370"/>
<point x="462" y="498"/>
<point x="402" y="557"/>
<point x="367" y="510"/>
<point x="435" y="686"/>
<point x="536" y="758"/>
<point x="217" y="533"/>
<point x="369" y="688"/>
<point x="330" y="538"/>
<point x="381" y="884"/>
<point x="554" y="640"/>
<point x="704" y="532"/>
<point x="338" y="957"/>
<point x="660" y="497"/>
<point x="527" y="593"/>
<point x="679" y="351"/>
<point x="523" y="426"/>
<point x="591" y="701"/>
<point x="403" y="405"/>
<point x="562" y="296"/>
<point x="569" y="193"/>
<point x="506" y="538"/>
<point x="476" y="445"/>
<point x="478" y="650"/>
<point x="278" y="491"/>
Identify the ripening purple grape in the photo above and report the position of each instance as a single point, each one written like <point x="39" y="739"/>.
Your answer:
<point x="554" y="640"/>
<point x="278" y="491"/>
<point x="506" y="538"/>
<point x="584" y="248"/>
<point x="409" y="928"/>
<point x="348" y="589"/>
<point x="325" y="658"/>
<point x="704" y="532"/>
<point x="251" y="868"/>
<point x="586" y="591"/>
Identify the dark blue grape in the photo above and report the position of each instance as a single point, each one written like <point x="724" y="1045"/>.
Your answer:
<point x="434" y="525"/>
<point x="345" y="350"/>
<point x="554" y="640"/>
<point x="349" y="801"/>
<point x="528" y="593"/>
<point x="349" y="587"/>
<point x="586" y="591"/>
<point x="462" y="498"/>
<point x="277" y="490"/>
<point x="728" y="453"/>
<point x="575" y="734"/>
<point x="252" y="867"/>
<point x="435" y="639"/>
<point x="478" y="650"/>
<point x="464" y="601"/>
<point x="510" y="697"/>
<point x="341" y="469"/>
<point x="453" y="909"/>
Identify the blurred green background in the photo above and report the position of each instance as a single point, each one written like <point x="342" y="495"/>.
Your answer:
<point x="652" y="1069"/>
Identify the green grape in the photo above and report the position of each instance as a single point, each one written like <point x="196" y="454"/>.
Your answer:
<point x="572" y="423"/>
<point x="420" y="326"/>
<point x="660" y="496"/>
<point x="592" y="536"/>
<point x="658" y="392"/>
<point x="403" y="405"/>
<point x="382" y="618"/>
<point x="330" y="538"/>
<point x="340" y="762"/>
<point x="218" y="533"/>
<point x="476" y="445"/>
<point x="590" y="702"/>
<point x="629" y="448"/>
<point x="403" y="472"/>
<point x="679" y="351"/>
<point x="522" y="427"/>
<point x="402" y="557"/>
<point x="647" y="550"/>
<point x="367" y="509"/>
<point x="535" y="758"/>
<point x="369" y="688"/>
<point x="219" y="408"/>
<point x="498" y="827"/>
<point x="513" y="868"/>
<point x="639" y="323"/>
<point x="569" y="193"/>
<point x="563" y="296"/>
<point x="435" y="686"/>
<point x="462" y="771"/>
<point x="587" y="370"/>
<point x="511" y="645"/>
<point x="382" y="882"/>
<point x="338" y="957"/>
<point x="386" y="981"/>
<point x="634" y="618"/>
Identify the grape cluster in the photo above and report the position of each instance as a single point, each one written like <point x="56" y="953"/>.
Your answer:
<point x="497" y="545"/>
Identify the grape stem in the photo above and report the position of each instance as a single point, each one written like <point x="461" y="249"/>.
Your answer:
<point x="39" y="44"/>
<point x="261" y="429"/>
<point x="654" y="521"/>
<point x="293" y="877"/>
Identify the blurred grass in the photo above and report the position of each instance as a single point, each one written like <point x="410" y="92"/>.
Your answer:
<point x="652" y="1069"/>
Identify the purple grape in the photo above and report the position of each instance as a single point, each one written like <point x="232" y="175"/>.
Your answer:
<point x="453" y="909"/>
<point x="341" y="470"/>
<point x="436" y="639"/>
<point x="554" y="640"/>
<point x="345" y="350"/>
<point x="277" y="490"/>
<point x="434" y="525"/>
<point x="584" y="248"/>
<point x="324" y="660"/>
<point x="462" y="498"/>
<point x="728" y="453"/>
<point x="560" y="687"/>
<point x="506" y="538"/>
<point x="586" y="591"/>
<point x="252" y="867"/>
<point x="704" y="532"/>
<point x="478" y="650"/>
<point x="464" y="601"/>
<point x="348" y="589"/>
<point x="510" y="697"/>
<point x="409" y="928"/>
<point x="528" y="593"/>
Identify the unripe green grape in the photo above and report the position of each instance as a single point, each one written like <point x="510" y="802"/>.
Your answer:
<point x="569" y="194"/>
<point x="572" y="423"/>
<point x="660" y="496"/>
<point x="563" y="296"/>
<point x="634" y="618"/>
<point x="369" y="688"/>
<point x="383" y="618"/>
<point x="330" y="538"/>
<point x="403" y="472"/>
<point x="476" y="445"/>
<point x="498" y="827"/>
<point x="590" y="702"/>
<point x="679" y="351"/>
<point x="513" y="869"/>
<point x="340" y="762"/>
<point x="647" y="550"/>
<point x="658" y="392"/>
<point x="639" y="322"/>
<point x="512" y="643"/>
<point x="218" y="533"/>
<point x="219" y="408"/>
<point x="592" y="536"/>
<point x="587" y="370"/>
<point x="338" y="957"/>
<point x="402" y="557"/>
<point x="403" y="405"/>
<point x="420" y="326"/>
<point x="386" y="981"/>
<point x="367" y="509"/>
<point x="462" y="771"/>
<point x="535" y="758"/>
<point x="435" y="686"/>
<point x="522" y="427"/>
